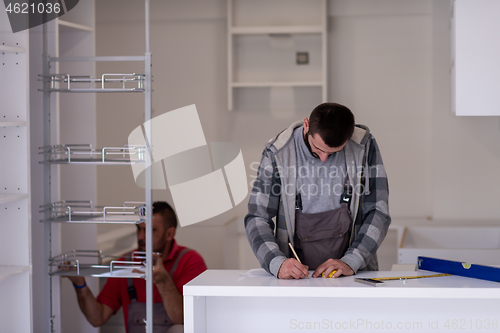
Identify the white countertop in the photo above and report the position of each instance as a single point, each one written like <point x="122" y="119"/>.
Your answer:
<point x="258" y="283"/>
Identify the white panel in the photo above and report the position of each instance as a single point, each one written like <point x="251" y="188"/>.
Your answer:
<point x="13" y="86"/>
<point x="261" y="58"/>
<point x="14" y="238"/>
<point x="15" y="309"/>
<point x="13" y="143"/>
<point x="367" y="8"/>
<point x="257" y="105"/>
<point x="7" y="272"/>
<point x="477" y="51"/>
<point x="277" y="12"/>
<point x="478" y="245"/>
<point x="288" y="314"/>
<point x="7" y="38"/>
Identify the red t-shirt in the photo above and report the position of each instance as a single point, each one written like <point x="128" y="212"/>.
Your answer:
<point x="114" y="294"/>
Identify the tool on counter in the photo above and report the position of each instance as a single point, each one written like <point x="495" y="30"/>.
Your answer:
<point x="482" y="272"/>
<point x="329" y="275"/>
<point x="370" y="282"/>
<point x="379" y="281"/>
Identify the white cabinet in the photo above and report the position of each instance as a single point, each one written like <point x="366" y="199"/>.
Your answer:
<point x="476" y="245"/>
<point x="227" y="301"/>
<point x="475" y="54"/>
<point x="265" y="41"/>
<point x="15" y="217"/>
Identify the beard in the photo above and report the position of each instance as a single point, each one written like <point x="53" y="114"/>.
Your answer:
<point x="160" y="247"/>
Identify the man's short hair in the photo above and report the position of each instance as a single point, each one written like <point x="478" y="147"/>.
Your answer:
<point x="166" y="212"/>
<point x="333" y="122"/>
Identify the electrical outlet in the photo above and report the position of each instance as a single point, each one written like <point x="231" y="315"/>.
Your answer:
<point x="302" y="58"/>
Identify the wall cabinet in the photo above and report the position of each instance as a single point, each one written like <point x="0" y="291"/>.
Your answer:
<point x="475" y="54"/>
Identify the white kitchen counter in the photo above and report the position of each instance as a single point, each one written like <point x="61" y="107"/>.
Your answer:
<point x="254" y="301"/>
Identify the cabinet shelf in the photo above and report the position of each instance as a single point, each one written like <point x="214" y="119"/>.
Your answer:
<point x="275" y="84"/>
<point x="85" y="212"/>
<point x="94" y="263"/>
<point x="75" y="26"/>
<point x="10" y="271"/>
<point x="6" y="198"/>
<point x="66" y="83"/>
<point x="12" y="123"/>
<point x="12" y="49"/>
<point x="252" y="30"/>
<point x="85" y="154"/>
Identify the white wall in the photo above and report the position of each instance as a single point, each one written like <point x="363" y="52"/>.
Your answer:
<point x="466" y="150"/>
<point x="388" y="61"/>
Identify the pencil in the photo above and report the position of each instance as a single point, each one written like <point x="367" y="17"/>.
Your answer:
<point x="295" y="254"/>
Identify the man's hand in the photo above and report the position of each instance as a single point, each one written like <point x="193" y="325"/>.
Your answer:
<point x="330" y="265"/>
<point x="292" y="269"/>
<point x="160" y="275"/>
<point x="77" y="280"/>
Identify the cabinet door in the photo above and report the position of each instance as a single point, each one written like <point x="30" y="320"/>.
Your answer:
<point x="476" y="54"/>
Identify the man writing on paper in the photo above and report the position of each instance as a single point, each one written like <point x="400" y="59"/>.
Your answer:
<point x="180" y="265"/>
<point x="323" y="182"/>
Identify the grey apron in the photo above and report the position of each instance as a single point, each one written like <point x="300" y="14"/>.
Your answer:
<point x="137" y="311"/>
<point x="321" y="236"/>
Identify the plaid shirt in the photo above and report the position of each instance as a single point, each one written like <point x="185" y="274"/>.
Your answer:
<point x="270" y="222"/>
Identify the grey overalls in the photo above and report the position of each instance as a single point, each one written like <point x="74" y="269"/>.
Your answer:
<point x="321" y="236"/>
<point x="137" y="311"/>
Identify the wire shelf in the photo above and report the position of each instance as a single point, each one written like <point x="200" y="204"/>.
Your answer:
<point x="85" y="154"/>
<point x="109" y="82"/>
<point x="94" y="263"/>
<point x="84" y="212"/>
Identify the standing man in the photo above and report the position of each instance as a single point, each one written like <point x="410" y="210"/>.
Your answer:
<point x="322" y="189"/>
<point x="179" y="266"/>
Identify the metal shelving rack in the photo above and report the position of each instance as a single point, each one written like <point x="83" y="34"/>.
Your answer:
<point x="94" y="263"/>
<point x="85" y="154"/>
<point x="85" y="212"/>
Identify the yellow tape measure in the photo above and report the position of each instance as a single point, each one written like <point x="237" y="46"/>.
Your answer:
<point x="408" y="277"/>
<point x="375" y="282"/>
<point x="329" y="275"/>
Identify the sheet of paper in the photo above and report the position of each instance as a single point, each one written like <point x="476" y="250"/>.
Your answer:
<point x="257" y="273"/>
